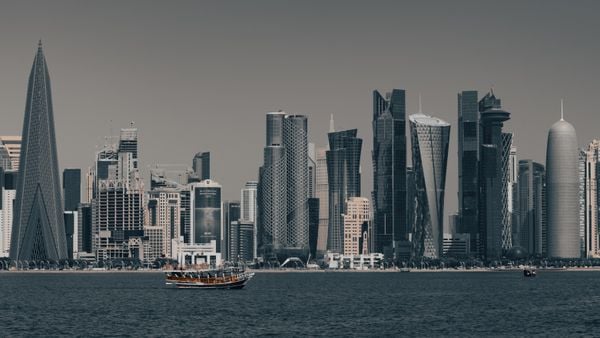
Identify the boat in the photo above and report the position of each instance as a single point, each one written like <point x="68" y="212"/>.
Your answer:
<point x="527" y="272"/>
<point x="230" y="278"/>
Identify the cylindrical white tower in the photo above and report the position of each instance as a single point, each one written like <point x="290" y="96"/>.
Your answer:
<point x="562" y="191"/>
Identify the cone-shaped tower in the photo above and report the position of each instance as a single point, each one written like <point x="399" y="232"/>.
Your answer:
<point x="562" y="187"/>
<point x="38" y="225"/>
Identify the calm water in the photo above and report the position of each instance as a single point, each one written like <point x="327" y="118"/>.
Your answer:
<point x="332" y="304"/>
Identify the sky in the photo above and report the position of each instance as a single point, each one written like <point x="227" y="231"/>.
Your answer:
<point x="201" y="75"/>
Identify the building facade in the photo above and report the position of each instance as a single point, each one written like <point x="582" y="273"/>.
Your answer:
<point x="356" y="218"/>
<point x="430" y="140"/>
<point x="592" y="166"/>
<point x="530" y="232"/>
<point x="8" y="192"/>
<point x="38" y="231"/>
<point x="201" y="165"/>
<point x="12" y="145"/>
<point x="322" y="193"/>
<point x="206" y="225"/>
<point x="343" y="171"/>
<point x="562" y="187"/>
<point x="392" y="231"/>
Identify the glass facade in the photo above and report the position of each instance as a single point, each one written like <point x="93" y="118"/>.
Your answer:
<point x="38" y="231"/>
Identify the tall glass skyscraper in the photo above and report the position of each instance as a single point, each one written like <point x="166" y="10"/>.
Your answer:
<point x="343" y="170"/>
<point x="72" y="188"/>
<point x="430" y="139"/>
<point x="562" y="190"/>
<point x="468" y="167"/>
<point x="283" y="187"/>
<point x="389" y="174"/>
<point x="494" y="152"/>
<point x="201" y="165"/>
<point x="38" y="231"/>
<point x="530" y="232"/>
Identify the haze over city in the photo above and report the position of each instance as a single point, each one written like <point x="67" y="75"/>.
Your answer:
<point x="200" y="76"/>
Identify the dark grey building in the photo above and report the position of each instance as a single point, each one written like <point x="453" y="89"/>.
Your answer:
<point x="201" y="165"/>
<point x="241" y="241"/>
<point x="468" y="168"/>
<point x="313" y="225"/>
<point x="206" y="216"/>
<point x="38" y="231"/>
<point x="392" y="232"/>
<point x="343" y="173"/>
<point x="84" y="231"/>
<point x="231" y="214"/>
<point x="530" y="232"/>
<point x="492" y="172"/>
<point x="72" y="188"/>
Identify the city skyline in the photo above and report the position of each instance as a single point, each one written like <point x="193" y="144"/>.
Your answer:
<point x="90" y="89"/>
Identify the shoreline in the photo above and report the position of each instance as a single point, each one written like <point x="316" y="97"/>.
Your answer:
<point x="276" y="271"/>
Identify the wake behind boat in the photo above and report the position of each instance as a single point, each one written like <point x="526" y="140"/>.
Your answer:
<point x="208" y="279"/>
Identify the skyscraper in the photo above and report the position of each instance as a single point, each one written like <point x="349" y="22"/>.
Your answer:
<point x="283" y="186"/>
<point x="562" y="191"/>
<point x="72" y="188"/>
<point x="206" y="213"/>
<point x="201" y="165"/>
<point x="592" y="166"/>
<point x="430" y="140"/>
<point x="117" y="206"/>
<point x="530" y="232"/>
<point x="389" y="174"/>
<point x="38" y="231"/>
<point x="231" y="217"/>
<point x="8" y="186"/>
<point x="343" y="171"/>
<point x="322" y="193"/>
<point x="468" y="168"/>
<point x="248" y="212"/>
<point x="493" y="204"/>
<point x="582" y="204"/>
<point x="357" y="215"/>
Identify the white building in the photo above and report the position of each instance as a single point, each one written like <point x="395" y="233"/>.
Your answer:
<point x="8" y="193"/>
<point x="201" y="255"/>
<point x="248" y="209"/>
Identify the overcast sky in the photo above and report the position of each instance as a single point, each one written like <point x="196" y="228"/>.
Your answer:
<point x="200" y="75"/>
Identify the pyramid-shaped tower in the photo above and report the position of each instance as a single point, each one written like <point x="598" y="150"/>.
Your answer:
<point x="38" y="224"/>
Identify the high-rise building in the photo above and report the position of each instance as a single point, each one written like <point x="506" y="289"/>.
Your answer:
<point x="312" y="170"/>
<point x="562" y="186"/>
<point x="201" y="165"/>
<point x="72" y="188"/>
<point x="493" y="203"/>
<point x="358" y="212"/>
<point x="582" y="204"/>
<point x="84" y="228"/>
<point x="343" y="171"/>
<point x="12" y="145"/>
<point x="530" y="232"/>
<point x="392" y="232"/>
<point x="206" y="215"/>
<point x="468" y="168"/>
<point x="248" y="212"/>
<point x="8" y="186"/>
<point x="313" y="225"/>
<point x="592" y="166"/>
<point x="38" y="231"/>
<point x="118" y="203"/>
<point x="295" y="141"/>
<point x="283" y="187"/>
<point x="430" y="140"/>
<point x="164" y="211"/>
<point x="322" y="193"/>
<point x="231" y="214"/>
<point x="241" y="237"/>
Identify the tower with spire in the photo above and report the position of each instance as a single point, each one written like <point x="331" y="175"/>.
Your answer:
<point x="38" y="224"/>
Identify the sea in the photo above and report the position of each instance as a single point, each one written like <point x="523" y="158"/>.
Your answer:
<point x="421" y="304"/>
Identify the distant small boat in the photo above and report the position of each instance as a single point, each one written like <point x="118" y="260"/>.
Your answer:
<point x="404" y="269"/>
<point x="528" y="272"/>
<point x="208" y="279"/>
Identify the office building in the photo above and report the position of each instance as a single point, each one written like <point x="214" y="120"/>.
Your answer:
<point x="343" y="171"/>
<point x="283" y="188"/>
<point x="8" y="192"/>
<point x="248" y="212"/>
<point x="322" y="193"/>
<point x="206" y="215"/>
<point x="562" y="187"/>
<point x="430" y="140"/>
<point x="392" y="232"/>
<point x="356" y="217"/>
<point x="495" y="225"/>
<point x="582" y="202"/>
<point x="84" y="228"/>
<point x="201" y="165"/>
<point x="313" y="225"/>
<point x="530" y="232"/>
<point x="164" y="211"/>
<point x="231" y="214"/>
<point x="241" y="241"/>
<point x="12" y="147"/>
<point x="72" y="188"/>
<point x="592" y="166"/>
<point x="118" y="203"/>
<point x="38" y="231"/>
<point x="468" y="168"/>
